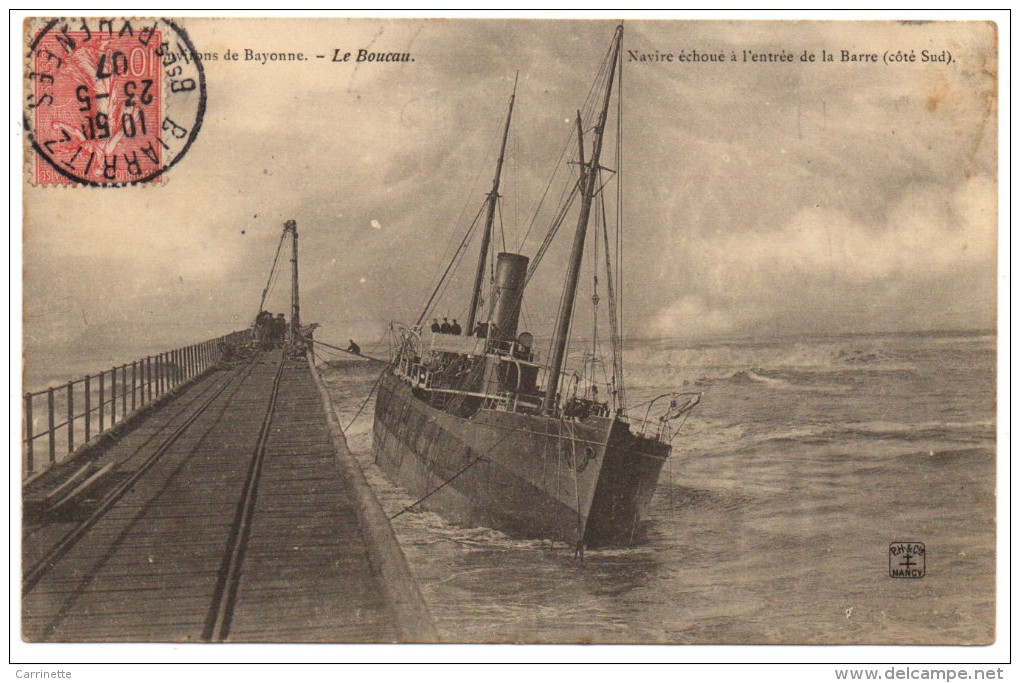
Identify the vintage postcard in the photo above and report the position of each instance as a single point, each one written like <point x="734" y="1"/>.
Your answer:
<point x="383" y="330"/>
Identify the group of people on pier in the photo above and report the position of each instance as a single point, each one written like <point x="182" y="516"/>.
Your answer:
<point x="270" y="331"/>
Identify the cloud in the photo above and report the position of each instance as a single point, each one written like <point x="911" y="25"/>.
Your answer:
<point x="826" y="270"/>
<point x="759" y="198"/>
<point x="693" y="312"/>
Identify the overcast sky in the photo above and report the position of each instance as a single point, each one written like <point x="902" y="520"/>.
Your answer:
<point x="760" y="199"/>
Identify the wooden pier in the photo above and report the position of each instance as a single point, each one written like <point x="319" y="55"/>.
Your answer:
<point x="228" y="514"/>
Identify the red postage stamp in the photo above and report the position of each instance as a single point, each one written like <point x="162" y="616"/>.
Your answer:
<point x="110" y="102"/>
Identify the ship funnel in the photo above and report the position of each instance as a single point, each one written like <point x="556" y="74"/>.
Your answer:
<point x="511" y="272"/>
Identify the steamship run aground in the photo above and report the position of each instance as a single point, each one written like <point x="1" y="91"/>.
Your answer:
<point x="478" y="428"/>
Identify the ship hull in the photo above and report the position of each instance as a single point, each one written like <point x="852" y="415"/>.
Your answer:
<point x="587" y="481"/>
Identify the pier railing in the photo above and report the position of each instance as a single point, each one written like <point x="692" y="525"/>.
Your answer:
<point x="64" y="417"/>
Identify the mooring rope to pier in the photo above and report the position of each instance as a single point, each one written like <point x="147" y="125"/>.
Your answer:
<point x="368" y="398"/>
<point x="458" y="473"/>
<point x="359" y="355"/>
<point x="375" y="385"/>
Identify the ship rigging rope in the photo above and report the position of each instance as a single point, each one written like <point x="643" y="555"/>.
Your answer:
<point x="577" y="494"/>
<point x="453" y="261"/>
<point x="596" y="355"/>
<point x="272" y="272"/>
<point x="457" y="474"/>
<point x="587" y="108"/>
<point x="502" y="229"/>
<point x="548" y="186"/>
<point x="618" y="298"/>
<point x="614" y="324"/>
<point x="574" y="187"/>
<point x="557" y="222"/>
<point x="481" y="169"/>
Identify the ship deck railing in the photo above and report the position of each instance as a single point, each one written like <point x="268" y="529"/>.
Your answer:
<point x="442" y="343"/>
<point x="420" y="377"/>
<point x="661" y="429"/>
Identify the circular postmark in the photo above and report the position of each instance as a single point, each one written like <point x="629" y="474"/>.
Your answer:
<point x="110" y="102"/>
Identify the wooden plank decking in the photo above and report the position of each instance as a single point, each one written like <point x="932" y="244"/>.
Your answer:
<point x="152" y="567"/>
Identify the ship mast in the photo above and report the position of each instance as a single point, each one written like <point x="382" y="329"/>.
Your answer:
<point x="589" y="180"/>
<point x="489" y="218"/>
<point x="295" y="305"/>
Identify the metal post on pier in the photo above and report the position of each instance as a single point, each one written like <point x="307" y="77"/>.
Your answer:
<point x="148" y="380"/>
<point x="123" y="391"/>
<point x="53" y="432"/>
<point x="70" y="417"/>
<point x="88" y="408"/>
<point x="134" y="385"/>
<point x="29" y="436"/>
<point x="102" y="402"/>
<point x="113" y="395"/>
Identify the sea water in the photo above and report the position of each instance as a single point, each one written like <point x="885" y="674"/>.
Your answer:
<point x="807" y="460"/>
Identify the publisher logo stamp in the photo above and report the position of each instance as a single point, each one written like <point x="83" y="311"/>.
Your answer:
<point x="110" y="102"/>
<point x="906" y="560"/>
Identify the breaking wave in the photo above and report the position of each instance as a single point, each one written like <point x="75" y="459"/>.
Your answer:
<point x="655" y="364"/>
<point x="982" y="429"/>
